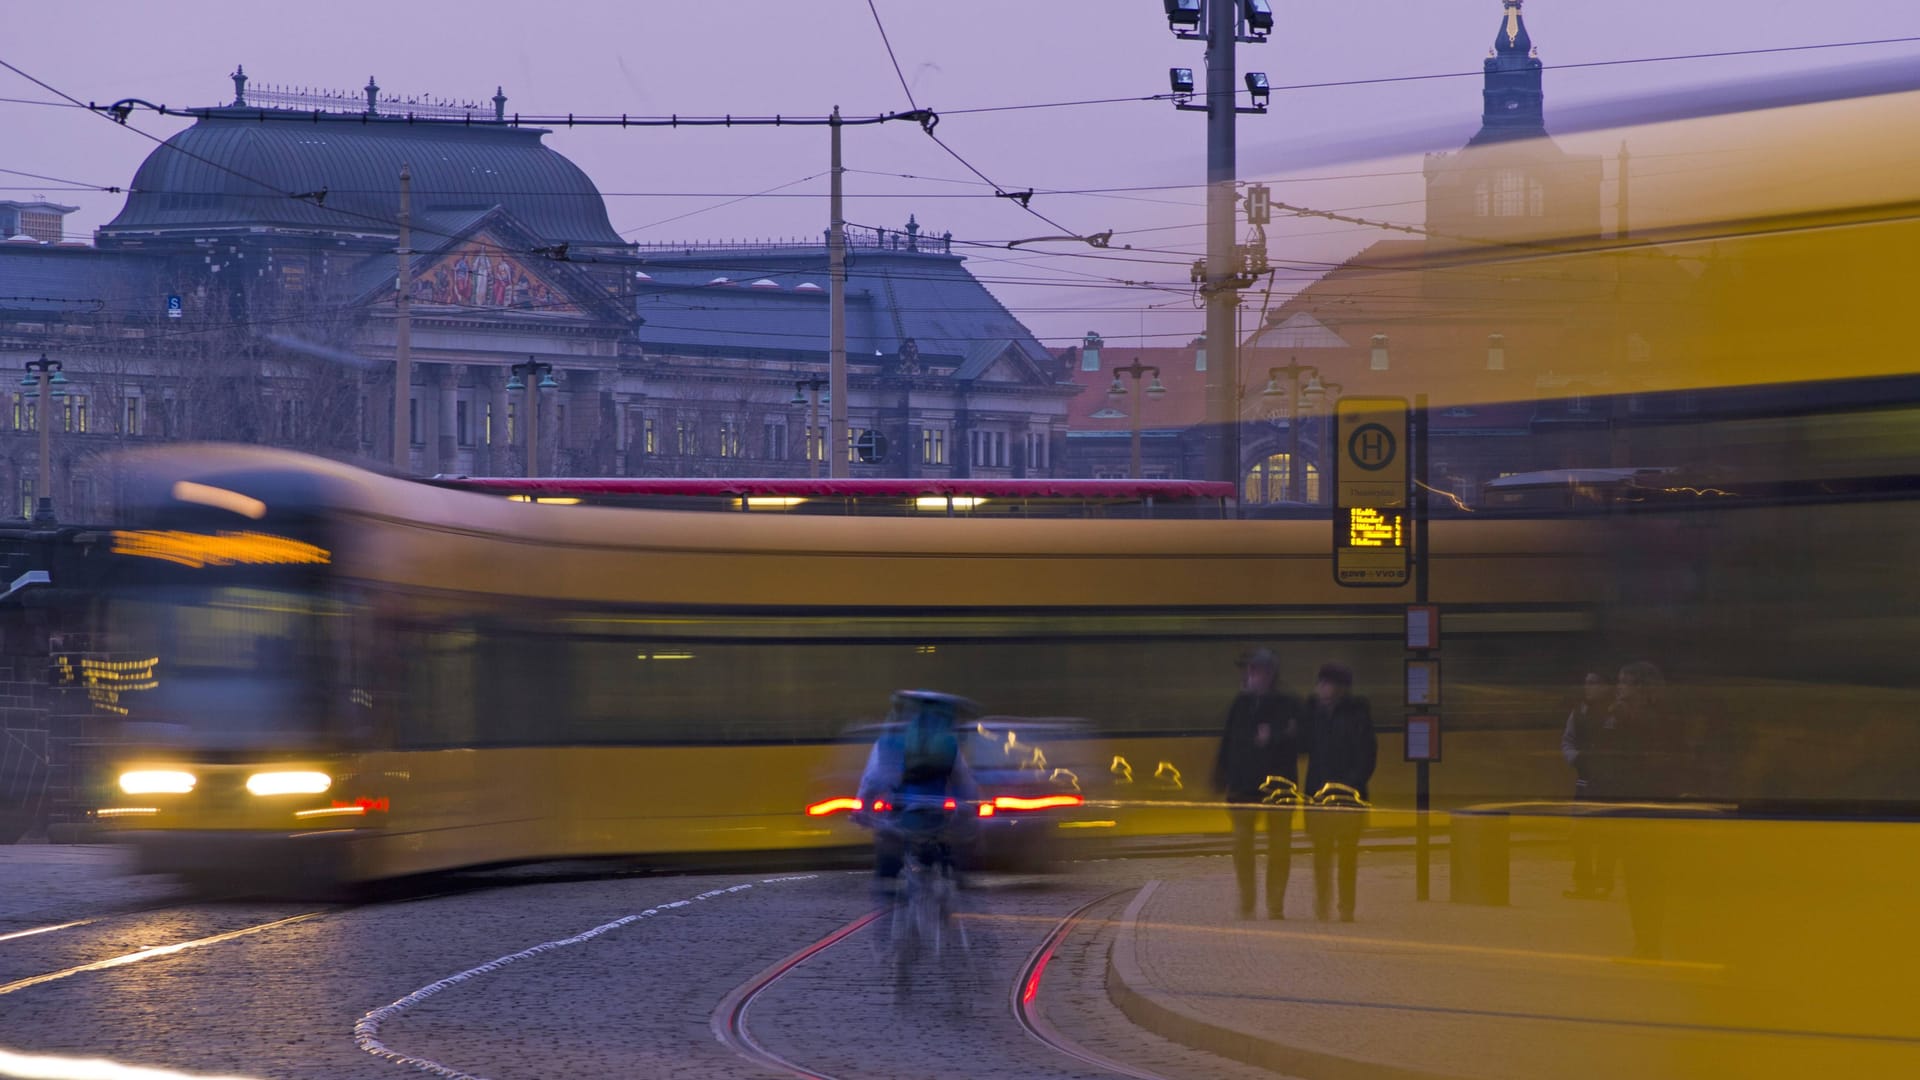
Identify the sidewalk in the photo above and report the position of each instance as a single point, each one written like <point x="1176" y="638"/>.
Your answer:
<point x="1541" y="988"/>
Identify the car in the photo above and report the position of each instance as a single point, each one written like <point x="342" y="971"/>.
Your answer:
<point x="1028" y="773"/>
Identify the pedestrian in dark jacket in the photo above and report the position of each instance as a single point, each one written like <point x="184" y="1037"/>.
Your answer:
<point x="1588" y="733"/>
<point x="1341" y="754"/>
<point x="1259" y="747"/>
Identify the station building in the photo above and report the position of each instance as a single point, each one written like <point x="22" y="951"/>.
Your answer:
<point x="246" y="291"/>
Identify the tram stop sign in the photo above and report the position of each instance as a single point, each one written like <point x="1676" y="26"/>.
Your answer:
<point x="1372" y="536"/>
<point x="870" y="446"/>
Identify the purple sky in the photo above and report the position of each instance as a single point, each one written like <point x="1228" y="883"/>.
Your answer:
<point x="761" y="56"/>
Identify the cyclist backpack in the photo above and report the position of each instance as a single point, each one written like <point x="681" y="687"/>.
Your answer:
<point x="929" y="749"/>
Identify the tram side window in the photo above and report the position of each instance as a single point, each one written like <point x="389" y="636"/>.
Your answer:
<point x="440" y="667"/>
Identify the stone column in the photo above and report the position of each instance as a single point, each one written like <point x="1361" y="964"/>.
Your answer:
<point x="446" y="446"/>
<point x="499" y="450"/>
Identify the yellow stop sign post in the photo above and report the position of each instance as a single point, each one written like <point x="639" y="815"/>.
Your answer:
<point x="1372" y="530"/>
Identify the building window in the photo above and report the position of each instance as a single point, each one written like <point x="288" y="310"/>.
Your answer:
<point x="1268" y="480"/>
<point x="774" y="440"/>
<point x="82" y="498"/>
<point x="133" y="417"/>
<point x="21" y="413"/>
<point x="933" y="446"/>
<point x="816" y="443"/>
<point x="988" y="449"/>
<point x="462" y="427"/>
<point x="1509" y="194"/>
<point x="26" y="496"/>
<point x="289" y="419"/>
<point x="513" y="418"/>
<point x="731" y="445"/>
<point x="686" y="438"/>
<point x="76" y="411"/>
<point x="649" y="437"/>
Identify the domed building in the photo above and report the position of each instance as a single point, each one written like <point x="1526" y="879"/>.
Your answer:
<point x="247" y="291"/>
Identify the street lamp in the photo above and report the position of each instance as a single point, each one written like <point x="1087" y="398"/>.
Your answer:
<point x="1118" y="390"/>
<point x="47" y="381"/>
<point x="1296" y="395"/>
<point x="808" y="392"/>
<point x="543" y="375"/>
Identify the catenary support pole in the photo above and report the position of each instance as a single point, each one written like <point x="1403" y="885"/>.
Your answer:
<point x="403" y="328"/>
<point x="836" y="448"/>
<point x="1223" y="353"/>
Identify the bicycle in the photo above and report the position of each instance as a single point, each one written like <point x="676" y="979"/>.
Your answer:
<point x="922" y="930"/>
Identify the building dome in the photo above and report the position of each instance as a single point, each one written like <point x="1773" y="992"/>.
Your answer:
<point x="232" y="169"/>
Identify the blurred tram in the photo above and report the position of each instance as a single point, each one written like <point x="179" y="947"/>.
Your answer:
<point x="368" y="676"/>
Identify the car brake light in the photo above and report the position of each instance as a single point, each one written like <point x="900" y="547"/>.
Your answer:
<point x="830" y="806"/>
<point x="1043" y="802"/>
<point x="986" y="809"/>
<point x="949" y="805"/>
<point x="882" y="805"/>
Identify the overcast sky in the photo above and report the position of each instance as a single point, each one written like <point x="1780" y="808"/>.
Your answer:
<point x="766" y="56"/>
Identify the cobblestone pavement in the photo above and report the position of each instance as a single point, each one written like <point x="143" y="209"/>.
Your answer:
<point x="634" y="1001"/>
<point x="1543" y="987"/>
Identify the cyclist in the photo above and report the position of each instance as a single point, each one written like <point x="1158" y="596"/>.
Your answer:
<point x="916" y="787"/>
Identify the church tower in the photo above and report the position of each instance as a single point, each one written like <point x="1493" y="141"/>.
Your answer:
<point x="1513" y="104"/>
<point x="1511" y="183"/>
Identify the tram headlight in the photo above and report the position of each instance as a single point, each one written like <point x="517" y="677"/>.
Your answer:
<point x="299" y="782"/>
<point x="156" y="782"/>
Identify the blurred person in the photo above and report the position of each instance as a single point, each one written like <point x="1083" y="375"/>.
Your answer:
<point x="1260" y="743"/>
<point x="1590" y="725"/>
<point x="1645" y="762"/>
<point x="914" y="768"/>
<point x="1341" y="754"/>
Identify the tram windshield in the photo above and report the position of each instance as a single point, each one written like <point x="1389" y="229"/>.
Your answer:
<point x="219" y="665"/>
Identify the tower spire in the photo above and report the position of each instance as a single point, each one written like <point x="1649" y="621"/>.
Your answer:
<point x="1514" y="103"/>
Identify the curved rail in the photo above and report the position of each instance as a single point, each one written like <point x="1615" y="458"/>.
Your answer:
<point x="729" y="1021"/>
<point x="1026" y="998"/>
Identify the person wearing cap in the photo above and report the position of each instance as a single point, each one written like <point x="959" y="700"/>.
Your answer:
<point x="1341" y="753"/>
<point x="1260" y="744"/>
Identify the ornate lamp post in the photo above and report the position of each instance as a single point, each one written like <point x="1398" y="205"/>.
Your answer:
<point x="543" y="373"/>
<point x="1118" y="390"/>
<point x="807" y="392"/>
<point x="48" y="382"/>
<point x="1297" y="395"/>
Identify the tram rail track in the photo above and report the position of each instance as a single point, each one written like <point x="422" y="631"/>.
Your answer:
<point x="730" y="1019"/>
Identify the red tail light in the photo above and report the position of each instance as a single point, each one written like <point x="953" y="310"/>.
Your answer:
<point x="949" y="805"/>
<point x="882" y="805"/>
<point x="1043" y="802"/>
<point x="832" y="806"/>
<point x="986" y="809"/>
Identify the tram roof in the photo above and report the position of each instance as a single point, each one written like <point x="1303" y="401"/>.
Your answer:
<point x="1136" y="490"/>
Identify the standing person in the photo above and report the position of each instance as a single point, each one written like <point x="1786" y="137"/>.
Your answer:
<point x="1260" y="742"/>
<point x="1341" y="753"/>
<point x="1589" y="728"/>
<point x="1648" y="762"/>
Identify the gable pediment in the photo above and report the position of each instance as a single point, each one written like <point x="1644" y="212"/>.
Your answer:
<point x="481" y="274"/>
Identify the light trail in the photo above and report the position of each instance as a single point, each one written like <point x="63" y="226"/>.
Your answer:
<point x="153" y="953"/>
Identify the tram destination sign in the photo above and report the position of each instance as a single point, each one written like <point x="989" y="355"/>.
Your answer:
<point x="1372" y="533"/>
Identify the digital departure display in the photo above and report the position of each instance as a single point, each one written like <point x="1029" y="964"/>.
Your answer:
<point x="1370" y="528"/>
<point x="1371" y="546"/>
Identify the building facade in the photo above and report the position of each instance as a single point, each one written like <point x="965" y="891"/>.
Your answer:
<point x="1540" y="369"/>
<point x="247" y="291"/>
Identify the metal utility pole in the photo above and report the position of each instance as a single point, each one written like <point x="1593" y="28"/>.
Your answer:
<point x="836" y="448"/>
<point x="1225" y="271"/>
<point x="1223" y="351"/>
<point x="403" y="327"/>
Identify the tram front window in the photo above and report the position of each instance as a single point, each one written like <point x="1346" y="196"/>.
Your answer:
<point x="220" y="666"/>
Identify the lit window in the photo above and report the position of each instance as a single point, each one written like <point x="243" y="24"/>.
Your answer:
<point x="1268" y="481"/>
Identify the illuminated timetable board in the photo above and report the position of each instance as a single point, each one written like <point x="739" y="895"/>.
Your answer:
<point x="1370" y="546"/>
